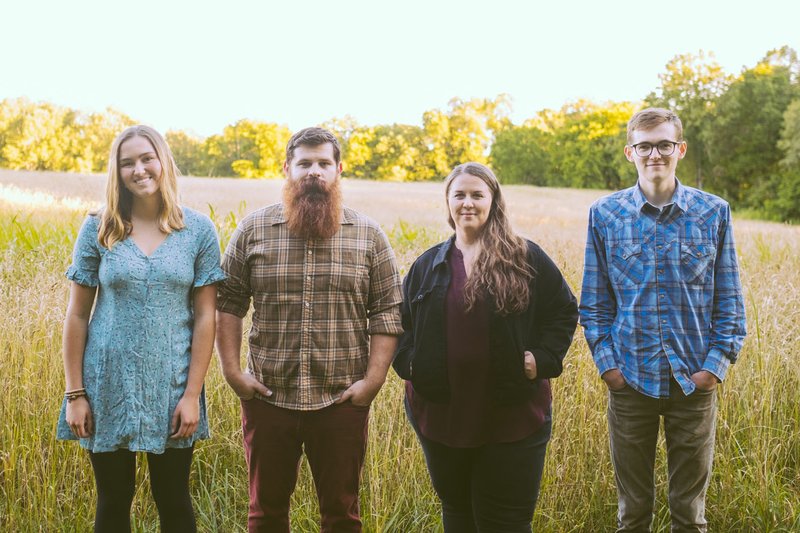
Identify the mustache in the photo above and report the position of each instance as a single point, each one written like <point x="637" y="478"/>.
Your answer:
<point x="312" y="189"/>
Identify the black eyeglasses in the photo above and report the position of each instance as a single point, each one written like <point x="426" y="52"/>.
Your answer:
<point x="664" y="148"/>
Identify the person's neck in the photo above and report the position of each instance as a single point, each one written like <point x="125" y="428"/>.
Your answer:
<point x="467" y="241"/>
<point x="146" y="210"/>
<point x="470" y="246"/>
<point x="660" y="193"/>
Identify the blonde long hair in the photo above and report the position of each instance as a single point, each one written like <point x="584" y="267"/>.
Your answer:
<point x="501" y="270"/>
<point x="115" y="217"/>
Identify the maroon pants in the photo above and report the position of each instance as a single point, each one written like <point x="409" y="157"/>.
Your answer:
<point x="334" y="440"/>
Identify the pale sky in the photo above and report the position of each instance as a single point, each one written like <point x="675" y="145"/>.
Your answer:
<point x="199" y="66"/>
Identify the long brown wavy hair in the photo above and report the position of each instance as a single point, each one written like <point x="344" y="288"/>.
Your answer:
<point x="501" y="274"/>
<point x="115" y="217"/>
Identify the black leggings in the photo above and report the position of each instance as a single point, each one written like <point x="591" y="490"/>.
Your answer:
<point x="115" y="475"/>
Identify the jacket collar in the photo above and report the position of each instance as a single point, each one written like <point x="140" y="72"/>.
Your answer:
<point x="441" y="255"/>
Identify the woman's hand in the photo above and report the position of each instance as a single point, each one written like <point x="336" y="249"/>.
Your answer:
<point x="79" y="417"/>
<point x="530" y="366"/>
<point x="186" y="417"/>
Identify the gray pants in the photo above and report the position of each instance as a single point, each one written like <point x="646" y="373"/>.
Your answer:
<point x="689" y="425"/>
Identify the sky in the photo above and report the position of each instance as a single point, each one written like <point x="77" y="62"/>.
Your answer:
<point x="199" y="66"/>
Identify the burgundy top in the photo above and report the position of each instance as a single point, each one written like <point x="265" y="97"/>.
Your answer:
<point x="469" y="419"/>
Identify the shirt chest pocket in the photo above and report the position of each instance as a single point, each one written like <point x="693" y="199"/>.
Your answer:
<point x="349" y="272"/>
<point x="627" y="267"/>
<point x="697" y="262"/>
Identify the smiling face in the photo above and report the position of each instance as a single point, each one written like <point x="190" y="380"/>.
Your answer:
<point x="656" y="169"/>
<point x="139" y="167"/>
<point x="469" y="202"/>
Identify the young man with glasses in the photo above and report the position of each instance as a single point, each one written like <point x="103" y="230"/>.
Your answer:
<point x="663" y="313"/>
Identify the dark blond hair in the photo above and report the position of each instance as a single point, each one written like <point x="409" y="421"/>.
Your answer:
<point x="501" y="271"/>
<point x="649" y="118"/>
<point x="115" y="217"/>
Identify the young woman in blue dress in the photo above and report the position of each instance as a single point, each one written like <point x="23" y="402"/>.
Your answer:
<point x="135" y="367"/>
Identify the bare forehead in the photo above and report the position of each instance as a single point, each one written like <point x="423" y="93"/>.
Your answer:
<point x="319" y="152"/>
<point x="665" y="131"/>
<point x="468" y="183"/>
<point x="135" y="146"/>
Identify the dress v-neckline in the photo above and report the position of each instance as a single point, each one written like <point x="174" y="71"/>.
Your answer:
<point x="155" y="250"/>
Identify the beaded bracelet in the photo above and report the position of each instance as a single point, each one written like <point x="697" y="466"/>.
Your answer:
<point x="74" y="394"/>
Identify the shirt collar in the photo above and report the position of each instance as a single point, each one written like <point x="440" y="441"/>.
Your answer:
<point x="348" y="216"/>
<point x="679" y="196"/>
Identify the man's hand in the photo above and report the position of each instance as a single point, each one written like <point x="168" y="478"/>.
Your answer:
<point x="246" y="386"/>
<point x="361" y="393"/>
<point x="614" y="379"/>
<point x="530" y="366"/>
<point x="705" y="380"/>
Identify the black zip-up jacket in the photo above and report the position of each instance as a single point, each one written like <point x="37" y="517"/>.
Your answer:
<point x="545" y="329"/>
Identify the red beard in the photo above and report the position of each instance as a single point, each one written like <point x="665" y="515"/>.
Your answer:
<point x="313" y="208"/>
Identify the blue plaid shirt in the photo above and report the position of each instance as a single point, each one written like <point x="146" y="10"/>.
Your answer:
<point x="661" y="294"/>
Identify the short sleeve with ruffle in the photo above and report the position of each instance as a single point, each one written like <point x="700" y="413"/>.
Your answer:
<point x="86" y="255"/>
<point x="207" y="268"/>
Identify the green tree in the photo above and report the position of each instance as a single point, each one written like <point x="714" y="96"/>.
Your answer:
<point x="247" y="149"/>
<point x="188" y="152"/>
<point x="33" y="136"/>
<point x="520" y="155"/>
<point x="785" y="205"/>
<point x="587" y="145"/>
<point x="743" y="139"/>
<point x="393" y="152"/>
<point x="464" y="132"/>
<point x="691" y="86"/>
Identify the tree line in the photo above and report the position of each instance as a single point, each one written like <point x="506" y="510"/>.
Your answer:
<point x="743" y="133"/>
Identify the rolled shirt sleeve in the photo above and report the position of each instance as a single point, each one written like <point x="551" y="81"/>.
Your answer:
<point x="234" y="293"/>
<point x="383" y="306"/>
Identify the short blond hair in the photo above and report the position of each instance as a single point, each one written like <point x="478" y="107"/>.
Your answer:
<point x="649" y="118"/>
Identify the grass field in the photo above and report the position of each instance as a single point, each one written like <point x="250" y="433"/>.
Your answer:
<point x="46" y="485"/>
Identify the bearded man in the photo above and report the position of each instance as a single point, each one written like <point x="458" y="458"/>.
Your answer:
<point x="326" y="294"/>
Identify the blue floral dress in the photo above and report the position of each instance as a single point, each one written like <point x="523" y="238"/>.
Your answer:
<point x="138" y="349"/>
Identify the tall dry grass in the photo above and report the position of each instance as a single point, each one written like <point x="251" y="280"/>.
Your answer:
<point x="46" y="485"/>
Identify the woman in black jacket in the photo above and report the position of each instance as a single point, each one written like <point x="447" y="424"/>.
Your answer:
<point x="488" y="319"/>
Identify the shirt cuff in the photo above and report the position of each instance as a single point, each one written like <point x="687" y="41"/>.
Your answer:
<point x="604" y="359"/>
<point x="386" y="322"/>
<point x="717" y="363"/>
<point x="233" y="307"/>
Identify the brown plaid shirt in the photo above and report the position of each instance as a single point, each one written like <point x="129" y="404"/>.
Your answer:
<point x="315" y="303"/>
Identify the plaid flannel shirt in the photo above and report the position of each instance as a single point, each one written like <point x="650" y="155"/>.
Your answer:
<point x="315" y="303"/>
<point x="661" y="293"/>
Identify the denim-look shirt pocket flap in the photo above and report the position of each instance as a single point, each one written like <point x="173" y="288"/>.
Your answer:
<point x="627" y="251"/>
<point x="697" y="262"/>
<point x="696" y="250"/>
<point x="627" y="267"/>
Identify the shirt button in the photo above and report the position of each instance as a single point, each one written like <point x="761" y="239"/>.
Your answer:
<point x="661" y="296"/>
<point x="663" y="321"/>
<point x="308" y="278"/>
<point x="310" y="252"/>
<point x="658" y="246"/>
<point x="661" y="271"/>
<point x="308" y="304"/>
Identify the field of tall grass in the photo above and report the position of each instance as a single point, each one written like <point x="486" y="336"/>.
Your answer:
<point x="47" y="485"/>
